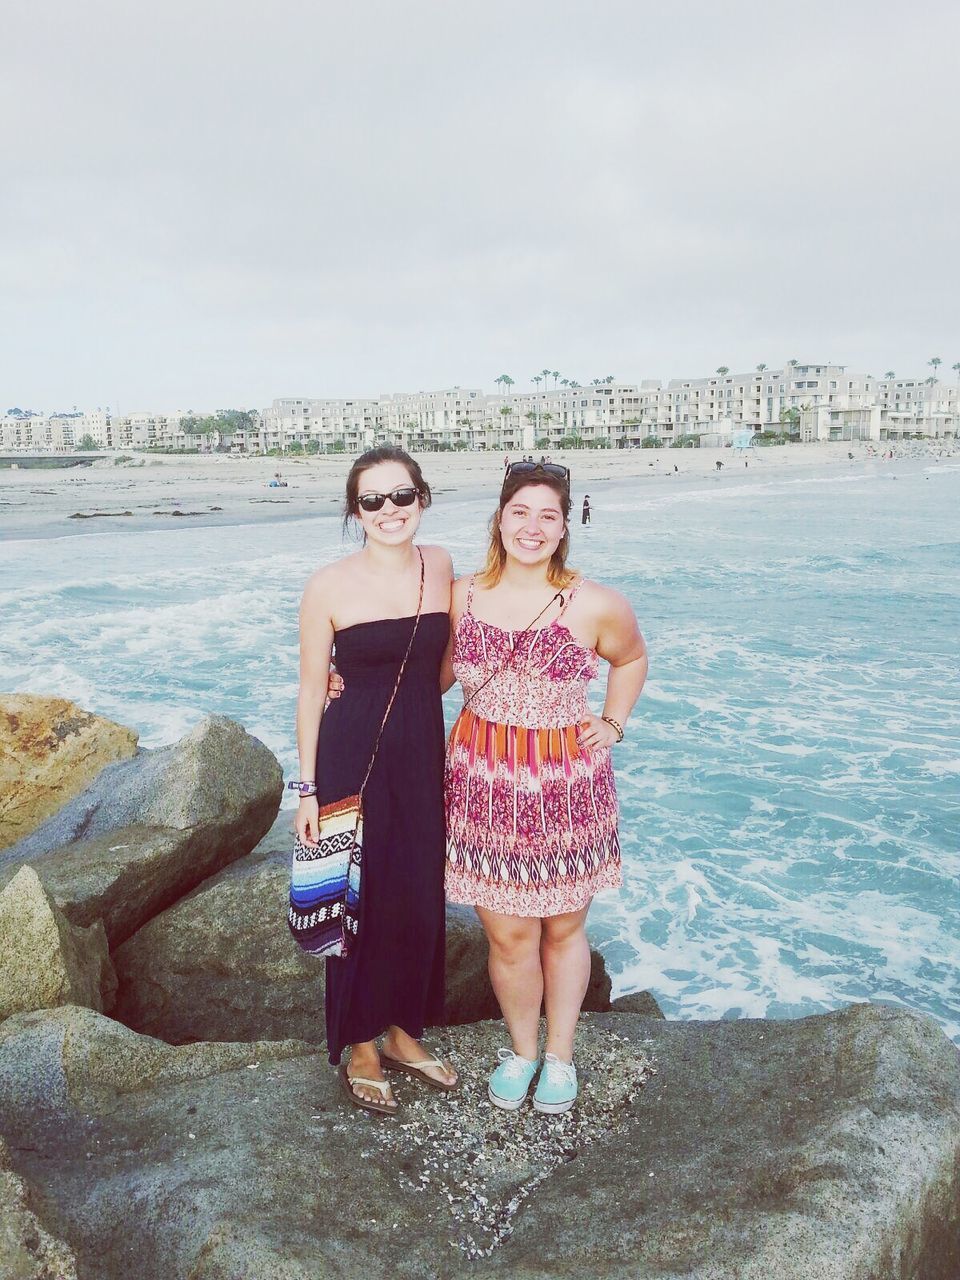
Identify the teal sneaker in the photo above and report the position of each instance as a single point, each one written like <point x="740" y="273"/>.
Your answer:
<point x="509" y="1083"/>
<point x="557" y="1086"/>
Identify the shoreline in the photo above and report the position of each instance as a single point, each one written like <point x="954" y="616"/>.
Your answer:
<point x="208" y="491"/>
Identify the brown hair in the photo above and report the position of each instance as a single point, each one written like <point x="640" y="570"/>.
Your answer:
<point x="372" y="457"/>
<point x="558" y="575"/>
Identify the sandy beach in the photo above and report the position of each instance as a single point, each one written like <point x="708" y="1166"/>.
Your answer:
<point x="161" y="491"/>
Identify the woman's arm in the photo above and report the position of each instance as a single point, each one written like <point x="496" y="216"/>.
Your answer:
<point x="316" y="648"/>
<point x="620" y="643"/>
<point x="458" y="600"/>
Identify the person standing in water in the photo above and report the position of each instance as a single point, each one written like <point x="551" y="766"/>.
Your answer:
<point x="585" y="512"/>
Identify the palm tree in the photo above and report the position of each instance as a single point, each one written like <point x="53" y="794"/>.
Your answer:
<point x="723" y="371"/>
<point x="575" y="384"/>
<point x="564" y="382"/>
<point x="936" y="362"/>
<point x="609" y="378"/>
<point x="538" y="378"/>
<point x="554" y="374"/>
<point x="760" y="368"/>
<point x="793" y="363"/>
<point x="889" y="374"/>
<point x="594" y="382"/>
<point x="956" y="370"/>
<point x="505" y="380"/>
<point x="547" y="373"/>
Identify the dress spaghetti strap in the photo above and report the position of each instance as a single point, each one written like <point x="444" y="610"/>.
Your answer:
<point x="469" y="608"/>
<point x="569" y="600"/>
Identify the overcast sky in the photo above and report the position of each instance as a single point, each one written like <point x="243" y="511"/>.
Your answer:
<point x="212" y="203"/>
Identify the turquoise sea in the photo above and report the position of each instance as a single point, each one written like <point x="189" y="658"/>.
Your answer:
<point x="790" y="783"/>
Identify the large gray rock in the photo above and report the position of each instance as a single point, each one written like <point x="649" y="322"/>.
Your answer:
<point x="822" y="1149"/>
<point x="44" y="959"/>
<point x="220" y="964"/>
<point x="642" y="1002"/>
<point x="149" y="829"/>
<point x="53" y="1060"/>
<point x="27" y="1250"/>
<point x="50" y="749"/>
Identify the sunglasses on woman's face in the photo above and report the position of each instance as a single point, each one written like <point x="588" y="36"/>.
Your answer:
<point x="545" y="468"/>
<point x="404" y="497"/>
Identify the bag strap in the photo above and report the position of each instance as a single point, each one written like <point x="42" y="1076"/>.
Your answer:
<point x="515" y="649"/>
<point x="403" y="664"/>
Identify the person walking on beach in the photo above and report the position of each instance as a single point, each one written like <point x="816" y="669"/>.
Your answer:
<point x="530" y="798"/>
<point x="366" y="605"/>
<point x="585" y="511"/>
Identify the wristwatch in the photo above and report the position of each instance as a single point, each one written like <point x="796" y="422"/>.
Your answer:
<point x="303" y="788"/>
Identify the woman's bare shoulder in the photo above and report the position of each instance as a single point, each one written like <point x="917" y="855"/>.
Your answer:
<point x="327" y="580"/>
<point x="603" y="602"/>
<point x="437" y="558"/>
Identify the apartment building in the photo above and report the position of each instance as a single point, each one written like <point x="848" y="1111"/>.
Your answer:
<point x="815" y="401"/>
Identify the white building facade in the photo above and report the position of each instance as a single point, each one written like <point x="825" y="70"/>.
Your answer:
<point x="809" y="401"/>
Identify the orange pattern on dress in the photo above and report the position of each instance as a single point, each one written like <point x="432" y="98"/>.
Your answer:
<point x="531" y="811"/>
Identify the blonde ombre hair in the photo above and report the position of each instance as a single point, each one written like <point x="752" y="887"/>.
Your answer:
<point x="558" y="575"/>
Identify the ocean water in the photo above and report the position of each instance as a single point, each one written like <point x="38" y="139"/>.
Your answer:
<point x="790" y="782"/>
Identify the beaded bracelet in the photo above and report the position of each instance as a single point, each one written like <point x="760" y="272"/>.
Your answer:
<point x="614" y="724"/>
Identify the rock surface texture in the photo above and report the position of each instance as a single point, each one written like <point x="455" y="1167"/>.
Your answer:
<point x="220" y="964"/>
<point x="822" y="1149"/>
<point x="44" y="959"/>
<point x="148" y="830"/>
<point x="50" y="749"/>
<point x="27" y="1250"/>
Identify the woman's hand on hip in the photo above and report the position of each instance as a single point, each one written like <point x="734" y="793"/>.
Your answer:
<point x="308" y="821"/>
<point x="595" y="733"/>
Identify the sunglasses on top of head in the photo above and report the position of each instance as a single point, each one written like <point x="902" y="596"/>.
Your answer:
<point x="404" y="497"/>
<point x="545" y="468"/>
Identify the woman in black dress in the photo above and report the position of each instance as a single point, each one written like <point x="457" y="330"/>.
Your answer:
<point x="392" y="982"/>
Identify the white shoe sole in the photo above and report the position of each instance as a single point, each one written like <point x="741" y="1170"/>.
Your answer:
<point x="554" y="1108"/>
<point x="504" y="1103"/>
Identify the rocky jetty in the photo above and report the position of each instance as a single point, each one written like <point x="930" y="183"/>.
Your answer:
<point x="218" y="1146"/>
<point x="50" y="750"/>
<point x="825" y="1147"/>
<point x="47" y="960"/>
<point x="150" y="829"/>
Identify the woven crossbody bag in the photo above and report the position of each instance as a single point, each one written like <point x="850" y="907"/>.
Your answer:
<point x="324" y="912"/>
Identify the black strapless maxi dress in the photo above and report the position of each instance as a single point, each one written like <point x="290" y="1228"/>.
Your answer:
<point x="394" y="974"/>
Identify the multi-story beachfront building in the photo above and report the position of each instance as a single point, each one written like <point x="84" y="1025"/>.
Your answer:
<point x="814" y="402"/>
<point x="66" y="433"/>
<point x="810" y="401"/>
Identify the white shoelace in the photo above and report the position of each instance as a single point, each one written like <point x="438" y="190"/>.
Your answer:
<point x="565" y="1070"/>
<point x="515" y="1066"/>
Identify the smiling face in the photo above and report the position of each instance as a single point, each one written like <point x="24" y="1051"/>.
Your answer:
<point x="392" y="525"/>
<point x="532" y="524"/>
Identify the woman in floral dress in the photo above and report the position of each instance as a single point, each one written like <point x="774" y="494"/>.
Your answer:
<point x="530" y="797"/>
